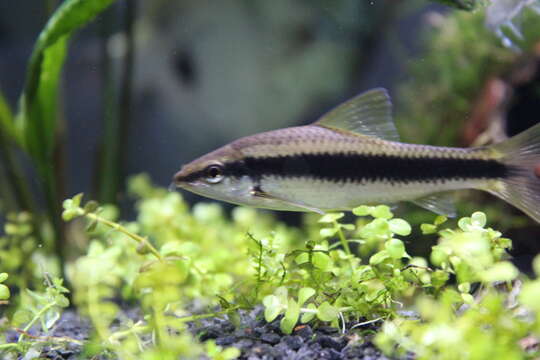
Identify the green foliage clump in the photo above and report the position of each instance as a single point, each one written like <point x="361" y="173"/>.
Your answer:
<point x="23" y="255"/>
<point x="193" y="264"/>
<point x="459" y="57"/>
<point x="488" y="323"/>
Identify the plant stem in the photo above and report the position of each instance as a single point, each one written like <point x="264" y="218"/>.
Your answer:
<point x="39" y="314"/>
<point x="9" y="345"/>
<point x="123" y="230"/>
<point x="135" y="329"/>
<point x="342" y="239"/>
<point x="95" y="314"/>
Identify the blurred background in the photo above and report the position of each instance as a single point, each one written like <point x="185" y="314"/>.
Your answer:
<point x="150" y="85"/>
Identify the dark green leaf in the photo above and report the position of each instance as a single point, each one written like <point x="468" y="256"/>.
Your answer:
<point x="91" y="206"/>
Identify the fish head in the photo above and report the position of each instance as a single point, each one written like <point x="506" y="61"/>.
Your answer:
<point x="220" y="175"/>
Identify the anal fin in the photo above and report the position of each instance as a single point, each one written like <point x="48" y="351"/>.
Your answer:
<point x="442" y="204"/>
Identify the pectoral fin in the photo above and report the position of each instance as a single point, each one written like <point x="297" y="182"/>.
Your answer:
<point x="299" y="206"/>
<point x="442" y="204"/>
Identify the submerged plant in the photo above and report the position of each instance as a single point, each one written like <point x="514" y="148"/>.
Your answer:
<point x="177" y="266"/>
<point x="142" y="283"/>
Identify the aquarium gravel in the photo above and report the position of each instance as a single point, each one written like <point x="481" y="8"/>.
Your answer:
<point x="256" y="338"/>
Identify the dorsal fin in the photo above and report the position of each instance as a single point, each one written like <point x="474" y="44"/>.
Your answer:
<point x="369" y="113"/>
<point x="441" y="204"/>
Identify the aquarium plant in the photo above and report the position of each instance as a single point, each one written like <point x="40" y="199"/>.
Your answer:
<point x="192" y="281"/>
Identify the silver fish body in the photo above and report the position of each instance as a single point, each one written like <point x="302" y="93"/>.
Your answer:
<point x="331" y="170"/>
<point x="337" y="164"/>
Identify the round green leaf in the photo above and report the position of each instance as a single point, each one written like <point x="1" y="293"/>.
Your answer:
<point x="328" y="232"/>
<point x="308" y="316"/>
<point x="3" y="277"/>
<point x="61" y="301"/>
<point x="400" y="227"/>
<point x="321" y="261"/>
<point x="272" y="307"/>
<point x="304" y="294"/>
<point x="440" y="220"/>
<point x="67" y="204"/>
<point x="69" y="214"/>
<point x="530" y="294"/>
<point x="291" y="317"/>
<point x="302" y="258"/>
<point x="428" y="229"/>
<point x="464" y="223"/>
<point x="438" y="256"/>
<point x="378" y="228"/>
<point x="21" y="317"/>
<point x="331" y="217"/>
<point x="503" y="271"/>
<point x="4" y="292"/>
<point x="327" y="312"/>
<point x="478" y="219"/>
<point x="395" y="248"/>
<point x="363" y="210"/>
<point x="464" y="287"/>
<point x="382" y="212"/>
<point x="379" y="257"/>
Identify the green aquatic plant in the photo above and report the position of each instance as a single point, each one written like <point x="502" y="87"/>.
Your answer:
<point x="4" y="290"/>
<point x="177" y="265"/>
<point x="174" y="265"/>
<point x="35" y="129"/>
<point x="43" y="308"/>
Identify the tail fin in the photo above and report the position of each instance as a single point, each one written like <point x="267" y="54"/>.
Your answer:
<point x="521" y="188"/>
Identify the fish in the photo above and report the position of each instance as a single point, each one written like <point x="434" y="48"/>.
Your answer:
<point x="353" y="156"/>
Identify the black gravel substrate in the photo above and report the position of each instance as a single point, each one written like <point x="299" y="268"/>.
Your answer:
<point x="256" y="338"/>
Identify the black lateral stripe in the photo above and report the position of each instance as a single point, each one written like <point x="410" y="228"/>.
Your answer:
<point x="347" y="167"/>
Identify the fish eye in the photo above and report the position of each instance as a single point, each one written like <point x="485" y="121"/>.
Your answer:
<point x="214" y="174"/>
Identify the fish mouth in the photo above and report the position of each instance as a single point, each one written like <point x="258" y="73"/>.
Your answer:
<point x="175" y="185"/>
<point x="177" y="181"/>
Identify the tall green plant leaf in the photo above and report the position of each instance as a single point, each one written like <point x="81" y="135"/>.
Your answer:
<point x="37" y="117"/>
<point x="36" y="122"/>
<point x="7" y="124"/>
<point x="15" y="189"/>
